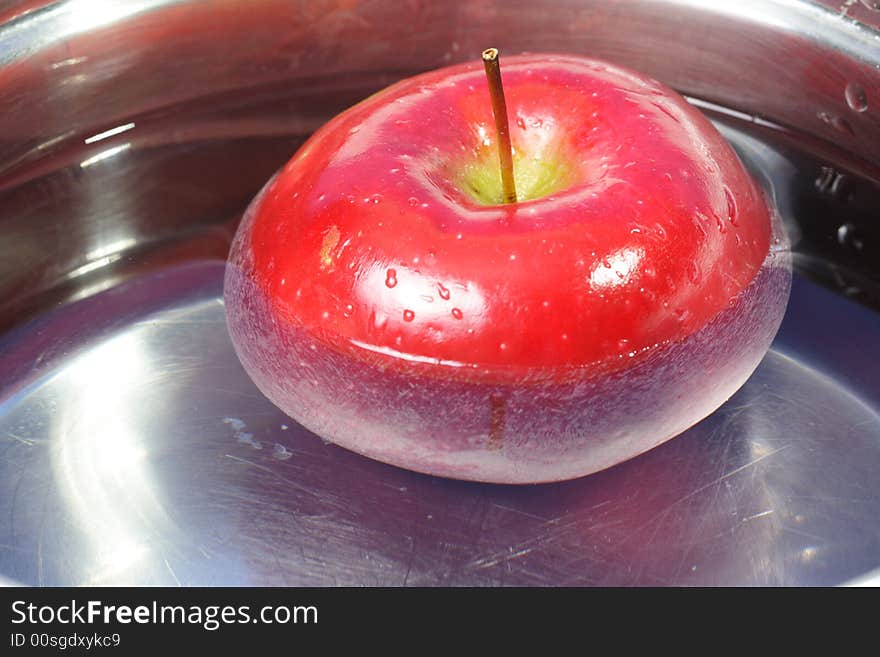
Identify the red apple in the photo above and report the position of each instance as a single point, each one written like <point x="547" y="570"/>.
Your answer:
<point x="380" y="292"/>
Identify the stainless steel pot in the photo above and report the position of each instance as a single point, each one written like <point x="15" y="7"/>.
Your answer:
<point x="134" y="449"/>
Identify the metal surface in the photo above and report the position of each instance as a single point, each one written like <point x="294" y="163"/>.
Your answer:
<point x="149" y="457"/>
<point x="133" y="448"/>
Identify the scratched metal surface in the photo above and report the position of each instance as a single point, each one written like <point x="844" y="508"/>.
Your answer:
<point x="133" y="448"/>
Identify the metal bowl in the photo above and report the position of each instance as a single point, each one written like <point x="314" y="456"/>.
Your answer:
<point x="136" y="451"/>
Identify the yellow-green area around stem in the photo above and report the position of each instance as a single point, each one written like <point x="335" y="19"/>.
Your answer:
<point x="535" y="175"/>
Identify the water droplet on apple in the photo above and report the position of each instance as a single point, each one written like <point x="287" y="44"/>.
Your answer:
<point x="375" y="199"/>
<point x="391" y="278"/>
<point x="661" y="231"/>
<point x="731" y="206"/>
<point x="521" y="122"/>
<point x="457" y="313"/>
<point x="503" y="346"/>
<point x="694" y="273"/>
<point x="856" y="97"/>
<point x="720" y="223"/>
<point x="699" y="220"/>
<point x="622" y="344"/>
<point x="413" y="201"/>
<point x="444" y="291"/>
<point x="408" y="315"/>
<point x="662" y="107"/>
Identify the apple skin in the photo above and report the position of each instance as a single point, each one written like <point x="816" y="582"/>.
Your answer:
<point x="379" y="293"/>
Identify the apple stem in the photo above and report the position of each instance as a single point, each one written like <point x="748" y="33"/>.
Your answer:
<point x="499" y="109"/>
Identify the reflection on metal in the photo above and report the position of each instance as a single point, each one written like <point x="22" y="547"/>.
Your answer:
<point x="104" y="155"/>
<point x="111" y="248"/>
<point x="66" y="19"/>
<point x="100" y="460"/>
<point x="94" y="265"/>
<point x="872" y="580"/>
<point x="147" y="456"/>
<point x="109" y="133"/>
